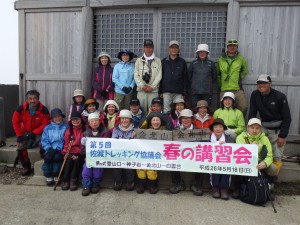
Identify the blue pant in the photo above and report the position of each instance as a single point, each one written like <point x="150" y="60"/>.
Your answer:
<point x="91" y="177"/>
<point x="52" y="164"/>
<point x="221" y="181"/>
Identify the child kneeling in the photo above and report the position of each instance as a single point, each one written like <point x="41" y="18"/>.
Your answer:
<point x="91" y="177"/>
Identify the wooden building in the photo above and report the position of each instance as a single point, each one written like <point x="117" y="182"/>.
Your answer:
<point x="60" y="39"/>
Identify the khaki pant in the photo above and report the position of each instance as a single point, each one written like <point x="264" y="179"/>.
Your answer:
<point x="150" y="174"/>
<point x="146" y="98"/>
<point x="168" y="100"/>
<point x="273" y="136"/>
<point x="123" y="101"/>
<point x="240" y="100"/>
<point x="271" y="170"/>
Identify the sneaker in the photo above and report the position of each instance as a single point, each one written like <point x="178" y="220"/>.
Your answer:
<point x="73" y="185"/>
<point x="271" y="186"/>
<point x="196" y="190"/>
<point x="224" y="194"/>
<point x="130" y="186"/>
<point x="118" y="186"/>
<point x="176" y="188"/>
<point x="85" y="191"/>
<point x="65" y="185"/>
<point x="57" y="181"/>
<point x="216" y="192"/>
<point x="95" y="189"/>
<point x="49" y="181"/>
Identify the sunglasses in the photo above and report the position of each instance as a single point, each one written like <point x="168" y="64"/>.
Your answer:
<point x="232" y="42"/>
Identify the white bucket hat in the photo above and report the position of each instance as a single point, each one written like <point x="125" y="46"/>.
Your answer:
<point x="228" y="94"/>
<point x="125" y="113"/>
<point x="110" y="102"/>
<point x="186" y="113"/>
<point x="104" y="54"/>
<point x="178" y="99"/>
<point x="93" y="115"/>
<point x="202" y="47"/>
<point x="254" y="121"/>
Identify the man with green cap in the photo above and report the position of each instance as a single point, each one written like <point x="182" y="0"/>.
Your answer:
<point x="232" y="68"/>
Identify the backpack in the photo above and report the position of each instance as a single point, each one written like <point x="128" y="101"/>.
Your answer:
<point x="254" y="191"/>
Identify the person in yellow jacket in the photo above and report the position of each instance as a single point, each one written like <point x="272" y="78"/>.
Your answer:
<point x="232" y="117"/>
<point x="255" y="135"/>
<point x="157" y="121"/>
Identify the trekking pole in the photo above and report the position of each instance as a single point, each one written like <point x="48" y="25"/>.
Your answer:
<point x="268" y="191"/>
<point x="64" y="162"/>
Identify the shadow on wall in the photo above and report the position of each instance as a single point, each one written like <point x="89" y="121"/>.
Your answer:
<point x="10" y="97"/>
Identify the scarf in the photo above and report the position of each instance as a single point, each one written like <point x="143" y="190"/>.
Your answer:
<point x="149" y="58"/>
<point x="213" y="138"/>
<point x="111" y="121"/>
<point x="131" y="127"/>
<point x="182" y="128"/>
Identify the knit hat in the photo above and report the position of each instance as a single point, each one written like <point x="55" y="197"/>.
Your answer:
<point x="111" y="102"/>
<point x="228" y="94"/>
<point x="125" y="113"/>
<point x="75" y="115"/>
<point x="89" y="102"/>
<point x="93" y="115"/>
<point x="156" y="114"/>
<point x="32" y="92"/>
<point x="217" y="121"/>
<point x="55" y="112"/>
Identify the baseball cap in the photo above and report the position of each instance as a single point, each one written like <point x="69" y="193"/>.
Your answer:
<point x="135" y="102"/>
<point x="173" y="42"/>
<point x="254" y="121"/>
<point x="148" y="42"/>
<point x="264" y="78"/>
<point x="156" y="100"/>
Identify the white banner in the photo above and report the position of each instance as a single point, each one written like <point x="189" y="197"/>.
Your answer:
<point x="204" y="157"/>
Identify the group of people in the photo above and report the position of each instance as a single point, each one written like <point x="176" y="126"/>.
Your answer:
<point x="163" y="87"/>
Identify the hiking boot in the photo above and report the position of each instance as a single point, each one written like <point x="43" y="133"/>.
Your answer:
<point x="216" y="192"/>
<point x="73" y="185"/>
<point x="153" y="189"/>
<point x="49" y="181"/>
<point x="118" y="186"/>
<point x="25" y="171"/>
<point x="236" y="194"/>
<point x="130" y="186"/>
<point x="65" y="185"/>
<point x="85" y="191"/>
<point x="196" y="190"/>
<point x="224" y="194"/>
<point x="140" y="187"/>
<point x="176" y="188"/>
<point x="95" y="189"/>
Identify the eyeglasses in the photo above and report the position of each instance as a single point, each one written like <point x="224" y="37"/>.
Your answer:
<point x="124" y="54"/>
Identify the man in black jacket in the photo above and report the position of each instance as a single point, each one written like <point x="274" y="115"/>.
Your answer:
<point x="274" y="111"/>
<point x="174" y="76"/>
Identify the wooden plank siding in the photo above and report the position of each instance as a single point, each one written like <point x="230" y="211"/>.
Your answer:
<point x="56" y="44"/>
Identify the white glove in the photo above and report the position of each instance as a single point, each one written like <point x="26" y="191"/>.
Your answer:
<point x="229" y="131"/>
<point x="83" y="140"/>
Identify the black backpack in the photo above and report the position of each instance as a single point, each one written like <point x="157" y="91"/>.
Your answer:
<point x="254" y="191"/>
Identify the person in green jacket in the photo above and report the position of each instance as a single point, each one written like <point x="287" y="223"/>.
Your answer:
<point x="255" y="135"/>
<point x="232" y="117"/>
<point x="232" y="68"/>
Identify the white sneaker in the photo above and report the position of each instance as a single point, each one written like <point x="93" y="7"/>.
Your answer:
<point x="271" y="186"/>
<point x="49" y="181"/>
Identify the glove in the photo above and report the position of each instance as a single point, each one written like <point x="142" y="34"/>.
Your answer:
<point x="30" y="136"/>
<point x="129" y="90"/>
<point x="229" y="131"/>
<point x="83" y="140"/>
<point x="20" y="139"/>
<point x="125" y="89"/>
<point x="51" y="152"/>
<point x="104" y="93"/>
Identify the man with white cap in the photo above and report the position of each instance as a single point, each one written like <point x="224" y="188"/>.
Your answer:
<point x="202" y="74"/>
<point x="273" y="108"/>
<point x="174" y="76"/>
<point x="232" y="68"/>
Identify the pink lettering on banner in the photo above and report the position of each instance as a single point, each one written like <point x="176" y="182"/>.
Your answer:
<point x="242" y="156"/>
<point x="171" y="151"/>
<point x="204" y="153"/>
<point x="187" y="153"/>
<point x="223" y="153"/>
